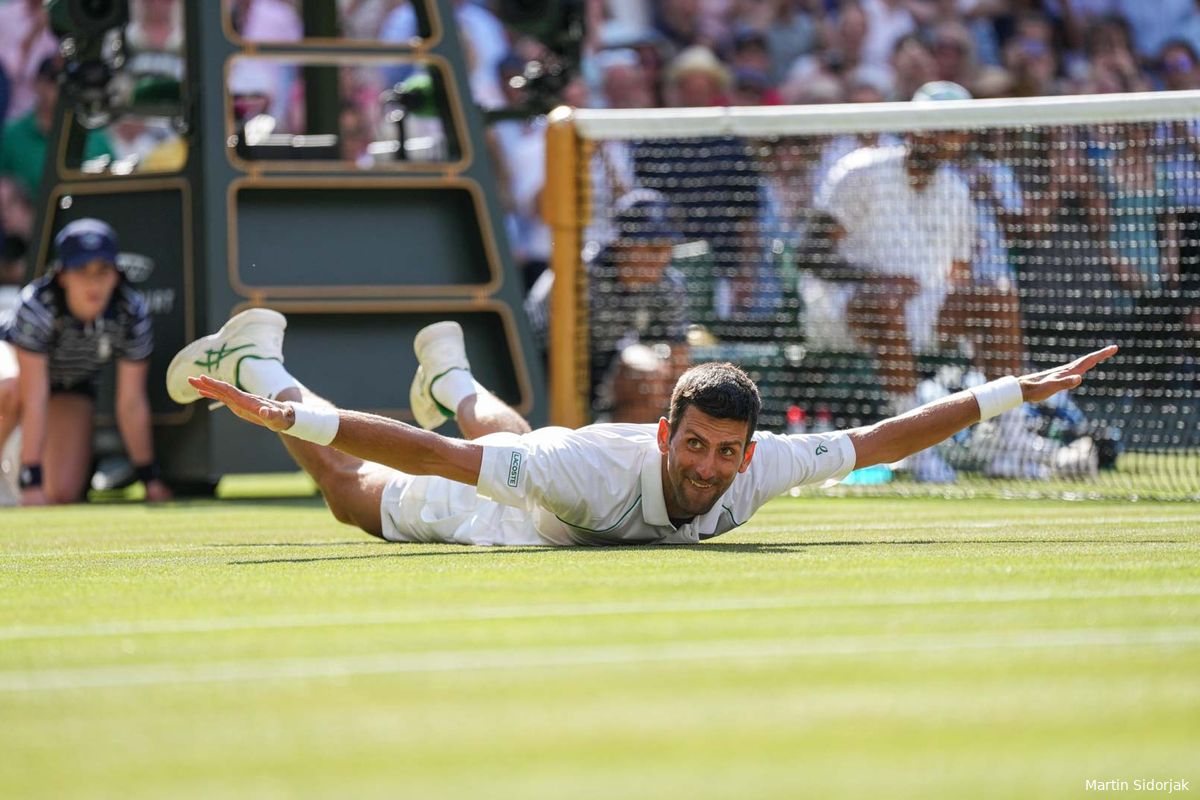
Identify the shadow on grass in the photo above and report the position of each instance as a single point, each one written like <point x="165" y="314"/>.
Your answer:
<point x="735" y="548"/>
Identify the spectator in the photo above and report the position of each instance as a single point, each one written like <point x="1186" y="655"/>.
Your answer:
<point x="678" y="22"/>
<point x="25" y="43"/>
<point x="624" y="84"/>
<point x="697" y="78"/>
<point x="639" y="308"/>
<point x="486" y="38"/>
<point x="1154" y="24"/>
<point x="892" y="262"/>
<point x="1031" y="58"/>
<point x="1180" y="65"/>
<point x="1112" y="65"/>
<point x="888" y="21"/>
<point x="275" y="21"/>
<point x="362" y="19"/>
<point x="723" y="192"/>
<point x="913" y="65"/>
<point x="521" y="144"/>
<point x="792" y="32"/>
<point x="79" y="316"/>
<point x="23" y="153"/>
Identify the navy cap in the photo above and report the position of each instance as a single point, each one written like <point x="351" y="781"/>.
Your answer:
<point x="86" y="240"/>
<point x="644" y="215"/>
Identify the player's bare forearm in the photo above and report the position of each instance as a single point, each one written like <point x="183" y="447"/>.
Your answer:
<point x="406" y="448"/>
<point x="366" y="436"/>
<point x="898" y="437"/>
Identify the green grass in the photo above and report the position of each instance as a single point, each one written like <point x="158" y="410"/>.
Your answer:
<point x="838" y="647"/>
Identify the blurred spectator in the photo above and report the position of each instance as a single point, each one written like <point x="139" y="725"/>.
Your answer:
<point x="25" y="42"/>
<point x="913" y="65"/>
<point x="1180" y="65"/>
<point x="792" y="31"/>
<point x="752" y="87"/>
<point x="23" y="151"/>
<point x="1111" y="63"/>
<point x="1031" y="58"/>
<point x="723" y="193"/>
<point x="892" y="265"/>
<point x="750" y="52"/>
<point x="521" y="144"/>
<point x="362" y="19"/>
<point x="697" y="78"/>
<point x="266" y="20"/>
<point x="483" y="35"/>
<point x="639" y="307"/>
<point x="274" y="21"/>
<point x="678" y="21"/>
<point x="887" y="22"/>
<point x="1154" y="23"/>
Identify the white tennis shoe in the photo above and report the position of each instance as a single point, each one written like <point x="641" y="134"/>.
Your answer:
<point x="440" y="348"/>
<point x="256" y="333"/>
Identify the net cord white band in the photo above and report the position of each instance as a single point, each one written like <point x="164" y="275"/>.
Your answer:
<point x="317" y="424"/>
<point x="998" y="396"/>
<point x="604" y="124"/>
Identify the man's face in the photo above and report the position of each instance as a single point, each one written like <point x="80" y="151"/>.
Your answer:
<point x="89" y="288"/>
<point x="626" y="87"/>
<point x="643" y="262"/>
<point x="697" y="90"/>
<point x="702" y="459"/>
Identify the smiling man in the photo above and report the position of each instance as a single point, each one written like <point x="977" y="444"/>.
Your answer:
<point x="698" y="473"/>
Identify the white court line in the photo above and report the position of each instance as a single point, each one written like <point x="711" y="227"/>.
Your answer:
<point x="440" y="661"/>
<point x="508" y="613"/>
<point x="847" y="528"/>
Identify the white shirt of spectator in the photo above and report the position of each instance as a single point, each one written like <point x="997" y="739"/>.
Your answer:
<point x="602" y="485"/>
<point x="893" y="228"/>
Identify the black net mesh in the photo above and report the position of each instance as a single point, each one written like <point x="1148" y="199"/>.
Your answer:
<point x="855" y="276"/>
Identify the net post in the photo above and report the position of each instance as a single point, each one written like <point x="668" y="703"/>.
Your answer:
<point x="562" y="211"/>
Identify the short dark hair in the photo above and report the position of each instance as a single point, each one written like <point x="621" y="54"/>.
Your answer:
<point x="720" y="390"/>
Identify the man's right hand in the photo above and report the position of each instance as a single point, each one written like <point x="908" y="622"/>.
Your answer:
<point x="270" y="414"/>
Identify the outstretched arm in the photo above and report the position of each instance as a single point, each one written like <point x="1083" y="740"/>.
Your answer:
<point x="367" y="436"/>
<point x="893" y="439"/>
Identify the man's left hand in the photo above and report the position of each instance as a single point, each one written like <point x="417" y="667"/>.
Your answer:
<point x="1047" y="383"/>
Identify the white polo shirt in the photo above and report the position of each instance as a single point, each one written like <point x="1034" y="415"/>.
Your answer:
<point x="891" y="229"/>
<point x="602" y="484"/>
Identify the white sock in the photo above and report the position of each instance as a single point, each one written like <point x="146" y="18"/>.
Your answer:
<point x="265" y="377"/>
<point x="453" y="387"/>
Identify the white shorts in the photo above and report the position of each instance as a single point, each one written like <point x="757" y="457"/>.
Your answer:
<point x="427" y="508"/>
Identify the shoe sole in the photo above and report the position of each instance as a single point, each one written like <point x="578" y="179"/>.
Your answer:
<point x="189" y="354"/>
<point x="438" y="330"/>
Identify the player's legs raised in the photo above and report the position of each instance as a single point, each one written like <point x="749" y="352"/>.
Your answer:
<point x="444" y="387"/>
<point x="248" y="352"/>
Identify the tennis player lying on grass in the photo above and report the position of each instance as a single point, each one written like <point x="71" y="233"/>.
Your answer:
<point x="699" y="473"/>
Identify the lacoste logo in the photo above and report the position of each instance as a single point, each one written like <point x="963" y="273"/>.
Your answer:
<point x="822" y="449"/>
<point x="514" y="469"/>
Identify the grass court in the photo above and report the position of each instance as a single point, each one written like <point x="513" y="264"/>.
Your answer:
<point x="832" y="647"/>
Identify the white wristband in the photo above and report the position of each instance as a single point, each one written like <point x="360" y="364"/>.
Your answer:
<point x="318" y="424"/>
<point x="998" y="396"/>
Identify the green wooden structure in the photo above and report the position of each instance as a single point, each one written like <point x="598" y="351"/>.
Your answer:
<point x="358" y="253"/>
